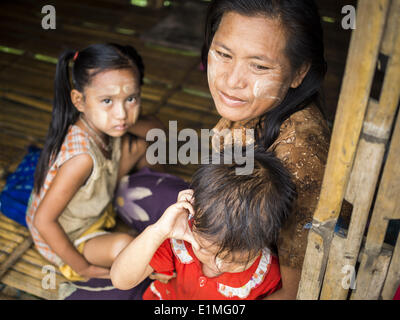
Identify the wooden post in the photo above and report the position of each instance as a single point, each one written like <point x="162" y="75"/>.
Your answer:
<point x="15" y="255"/>
<point x="392" y="281"/>
<point x="373" y="266"/>
<point x="367" y="165"/>
<point x="353" y="100"/>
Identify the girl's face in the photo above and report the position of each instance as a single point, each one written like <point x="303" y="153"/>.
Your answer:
<point x="248" y="72"/>
<point x="212" y="265"/>
<point x="111" y="102"/>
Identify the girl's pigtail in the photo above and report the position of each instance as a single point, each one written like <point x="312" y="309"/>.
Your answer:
<point x="64" y="114"/>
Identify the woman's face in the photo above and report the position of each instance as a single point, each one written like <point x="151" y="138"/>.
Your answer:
<point x="248" y="72"/>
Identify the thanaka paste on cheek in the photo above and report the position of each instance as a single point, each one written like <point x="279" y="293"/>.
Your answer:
<point x="135" y="115"/>
<point x="211" y="68"/>
<point x="263" y="87"/>
<point x="102" y="118"/>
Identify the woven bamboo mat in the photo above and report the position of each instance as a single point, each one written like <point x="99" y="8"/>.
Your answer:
<point x="175" y="89"/>
<point x="27" y="273"/>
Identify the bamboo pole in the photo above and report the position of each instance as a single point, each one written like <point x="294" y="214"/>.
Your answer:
<point x="386" y="208"/>
<point x="367" y="165"/>
<point x="15" y="255"/>
<point x="392" y="281"/>
<point x="352" y="105"/>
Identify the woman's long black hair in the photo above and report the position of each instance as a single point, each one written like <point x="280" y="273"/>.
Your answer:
<point x="87" y="63"/>
<point x="302" y="22"/>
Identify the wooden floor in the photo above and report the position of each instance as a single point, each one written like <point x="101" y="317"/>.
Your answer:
<point x="175" y="87"/>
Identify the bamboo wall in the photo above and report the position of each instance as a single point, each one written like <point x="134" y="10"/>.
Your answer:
<point x="357" y="170"/>
<point x="176" y="88"/>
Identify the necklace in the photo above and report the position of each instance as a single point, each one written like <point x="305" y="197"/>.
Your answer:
<point x="105" y="147"/>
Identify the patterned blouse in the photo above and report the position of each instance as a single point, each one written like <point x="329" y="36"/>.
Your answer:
<point x="302" y="146"/>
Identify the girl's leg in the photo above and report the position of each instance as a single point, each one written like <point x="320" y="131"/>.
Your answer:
<point x="103" y="250"/>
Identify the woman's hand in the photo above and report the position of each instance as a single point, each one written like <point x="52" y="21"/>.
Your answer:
<point x="93" y="271"/>
<point x="174" y="223"/>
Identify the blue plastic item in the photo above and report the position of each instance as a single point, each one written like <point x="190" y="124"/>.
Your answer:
<point x="19" y="185"/>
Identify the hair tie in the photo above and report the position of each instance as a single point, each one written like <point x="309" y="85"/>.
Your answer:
<point x="76" y="55"/>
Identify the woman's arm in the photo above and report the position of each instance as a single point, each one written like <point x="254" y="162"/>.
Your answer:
<point x="70" y="177"/>
<point x="132" y="265"/>
<point x="303" y="147"/>
<point x="290" y="284"/>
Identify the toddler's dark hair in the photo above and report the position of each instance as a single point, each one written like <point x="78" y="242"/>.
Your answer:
<point x="242" y="213"/>
<point x="87" y="63"/>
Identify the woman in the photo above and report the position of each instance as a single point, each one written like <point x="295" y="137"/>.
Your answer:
<point x="265" y="65"/>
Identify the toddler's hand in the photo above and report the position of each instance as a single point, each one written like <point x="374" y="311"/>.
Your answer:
<point x="186" y="195"/>
<point x="174" y="222"/>
<point x="95" y="272"/>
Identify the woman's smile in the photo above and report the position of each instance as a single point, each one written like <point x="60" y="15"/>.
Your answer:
<point x="231" y="101"/>
<point x="247" y="74"/>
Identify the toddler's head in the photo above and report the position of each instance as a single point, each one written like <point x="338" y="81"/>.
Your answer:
<point x="236" y="216"/>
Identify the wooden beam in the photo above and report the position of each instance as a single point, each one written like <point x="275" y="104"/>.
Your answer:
<point x="15" y="255"/>
<point x="392" y="281"/>
<point x="367" y="164"/>
<point x="386" y="208"/>
<point x="354" y="97"/>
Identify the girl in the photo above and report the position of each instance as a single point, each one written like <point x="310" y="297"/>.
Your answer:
<point x="225" y="252"/>
<point x="86" y="151"/>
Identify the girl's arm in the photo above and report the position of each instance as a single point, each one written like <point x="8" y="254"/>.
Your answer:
<point x="70" y="177"/>
<point x="133" y="149"/>
<point x="132" y="265"/>
<point x="144" y="124"/>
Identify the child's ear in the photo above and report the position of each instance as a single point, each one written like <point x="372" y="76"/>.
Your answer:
<point x="77" y="100"/>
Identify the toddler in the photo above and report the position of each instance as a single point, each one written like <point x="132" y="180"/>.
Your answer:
<point x="217" y="238"/>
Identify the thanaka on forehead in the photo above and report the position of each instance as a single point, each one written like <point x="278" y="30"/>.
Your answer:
<point x="124" y="84"/>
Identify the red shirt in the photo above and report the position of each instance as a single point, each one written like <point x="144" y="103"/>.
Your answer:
<point x="258" y="281"/>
